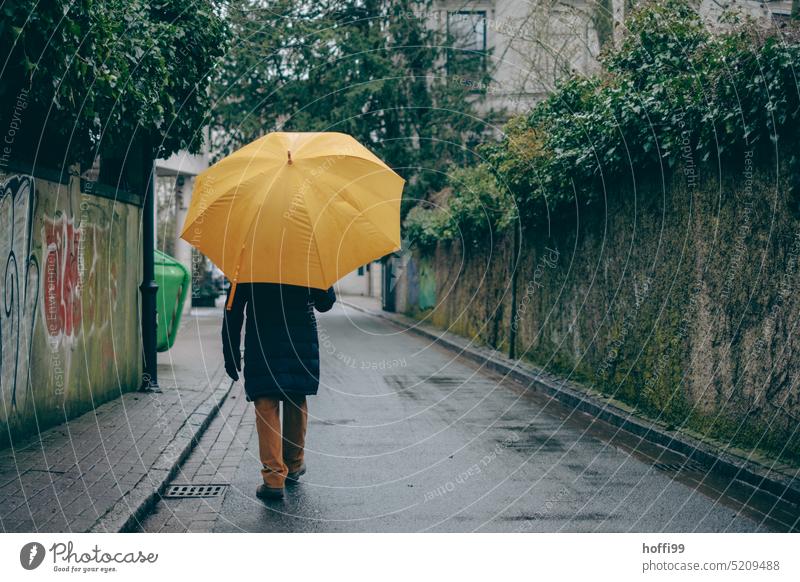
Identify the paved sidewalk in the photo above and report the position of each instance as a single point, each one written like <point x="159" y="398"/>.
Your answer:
<point x="103" y="471"/>
<point x="221" y="450"/>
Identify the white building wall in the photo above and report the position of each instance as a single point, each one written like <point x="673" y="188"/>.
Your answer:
<point x="532" y="44"/>
<point x="712" y="10"/>
<point x="367" y="283"/>
<point x="185" y="165"/>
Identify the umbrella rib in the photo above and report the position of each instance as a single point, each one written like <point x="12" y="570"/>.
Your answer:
<point x="364" y="215"/>
<point x="360" y="213"/>
<point x="311" y="222"/>
<point x="377" y="161"/>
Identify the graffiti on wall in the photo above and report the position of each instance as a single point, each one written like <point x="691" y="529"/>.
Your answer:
<point x="69" y="266"/>
<point x="62" y="299"/>
<point x="80" y="279"/>
<point x="412" y="280"/>
<point x="58" y="264"/>
<point x="427" y="285"/>
<point x="98" y="272"/>
<point x="20" y="286"/>
<point x="79" y="282"/>
<point x="421" y="284"/>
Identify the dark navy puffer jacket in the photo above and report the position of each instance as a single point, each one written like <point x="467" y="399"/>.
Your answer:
<point x="281" y="348"/>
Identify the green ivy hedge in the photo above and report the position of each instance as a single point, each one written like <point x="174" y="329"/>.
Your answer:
<point x="672" y="94"/>
<point x="475" y="206"/>
<point x="88" y="76"/>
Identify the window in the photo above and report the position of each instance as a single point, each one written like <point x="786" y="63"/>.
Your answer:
<point x="466" y="31"/>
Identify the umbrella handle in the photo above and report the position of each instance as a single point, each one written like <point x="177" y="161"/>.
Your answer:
<point x="230" y="297"/>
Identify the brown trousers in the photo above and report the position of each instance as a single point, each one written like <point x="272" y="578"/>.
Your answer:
<point x="281" y="452"/>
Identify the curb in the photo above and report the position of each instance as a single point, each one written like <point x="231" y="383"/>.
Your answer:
<point x="574" y="396"/>
<point x="129" y="511"/>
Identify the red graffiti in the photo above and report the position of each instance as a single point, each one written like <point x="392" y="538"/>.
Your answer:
<point x="62" y="294"/>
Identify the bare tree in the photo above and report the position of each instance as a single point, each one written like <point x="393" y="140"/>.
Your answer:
<point x="556" y="38"/>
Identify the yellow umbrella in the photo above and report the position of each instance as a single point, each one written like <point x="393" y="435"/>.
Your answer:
<point x="295" y="208"/>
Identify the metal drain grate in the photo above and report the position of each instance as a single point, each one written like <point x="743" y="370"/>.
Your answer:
<point x="679" y="467"/>
<point x="183" y="491"/>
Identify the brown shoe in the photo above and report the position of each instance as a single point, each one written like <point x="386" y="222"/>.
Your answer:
<point x="269" y="493"/>
<point x="294" y="476"/>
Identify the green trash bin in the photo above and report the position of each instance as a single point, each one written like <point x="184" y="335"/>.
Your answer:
<point x="173" y="285"/>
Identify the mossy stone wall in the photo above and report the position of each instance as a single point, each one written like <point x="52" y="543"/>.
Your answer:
<point x="678" y="297"/>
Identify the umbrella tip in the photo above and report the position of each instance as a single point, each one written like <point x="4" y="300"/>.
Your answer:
<point x="289" y="153"/>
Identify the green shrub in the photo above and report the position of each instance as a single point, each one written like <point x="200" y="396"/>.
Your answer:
<point x="425" y="226"/>
<point x="672" y="94"/>
<point x="474" y="205"/>
<point x="88" y="76"/>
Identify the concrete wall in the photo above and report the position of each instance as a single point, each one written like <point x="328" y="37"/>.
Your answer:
<point x="71" y="266"/>
<point x="682" y="302"/>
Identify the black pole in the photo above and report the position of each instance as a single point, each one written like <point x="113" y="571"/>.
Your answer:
<point x="149" y="288"/>
<point x="512" y="332"/>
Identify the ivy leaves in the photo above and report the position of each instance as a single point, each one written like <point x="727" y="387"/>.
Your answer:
<point x="103" y="74"/>
<point x="472" y="208"/>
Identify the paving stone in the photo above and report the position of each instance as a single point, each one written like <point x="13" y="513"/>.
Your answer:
<point x="90" y="464"/>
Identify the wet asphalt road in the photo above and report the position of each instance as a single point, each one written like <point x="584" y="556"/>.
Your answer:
<point x="404" y="436"/>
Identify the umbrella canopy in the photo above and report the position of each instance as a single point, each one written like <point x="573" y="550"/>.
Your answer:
<point x="295" y="208"/>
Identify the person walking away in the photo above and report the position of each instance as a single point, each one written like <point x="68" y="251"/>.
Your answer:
<point x="281" y="367"/>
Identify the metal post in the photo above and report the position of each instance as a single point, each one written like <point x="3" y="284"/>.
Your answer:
<point x="149" y="288"/>
<point x="512" y="332"/>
